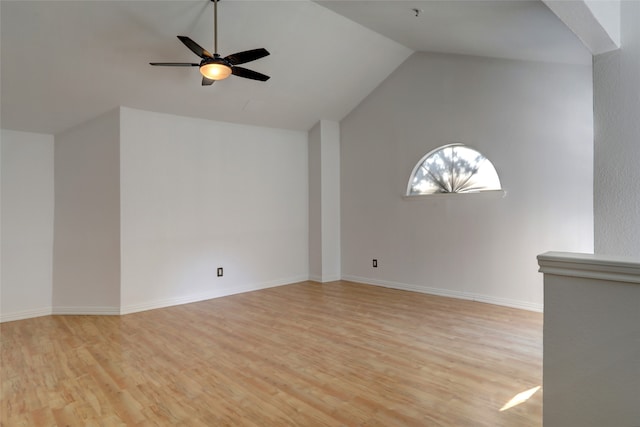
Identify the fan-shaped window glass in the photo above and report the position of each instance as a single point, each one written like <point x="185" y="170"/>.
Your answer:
<point x="453" y="168"/>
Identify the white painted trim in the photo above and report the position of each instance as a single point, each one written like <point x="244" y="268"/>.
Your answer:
<point x="590" y="266"/>
<point x="114" y="311"/>
<point x="496" y="194"/>
<point x="506" y="302"/>
<point x="218" y="293"/>
<point x="25" y="314"/>
<point x="598" y="36"/>
<point x="78" y="311"/>
<point x="151" y="305"/>
<point x="324" y="279"/>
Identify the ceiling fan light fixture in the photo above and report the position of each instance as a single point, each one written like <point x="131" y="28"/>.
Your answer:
<point x="215" y="71"/>
<point x="214" y="67"/>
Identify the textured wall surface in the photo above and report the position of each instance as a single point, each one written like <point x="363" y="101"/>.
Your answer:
<point x="616" y="86"/>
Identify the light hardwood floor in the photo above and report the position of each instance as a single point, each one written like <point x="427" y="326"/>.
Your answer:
<point x="308" y="354"/>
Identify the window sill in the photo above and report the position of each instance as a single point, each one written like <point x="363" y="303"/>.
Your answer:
<point x="491" y="194"/>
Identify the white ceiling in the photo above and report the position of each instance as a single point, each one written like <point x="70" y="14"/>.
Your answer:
<point x="65" y="62"/>
<point x="515" y="29"/>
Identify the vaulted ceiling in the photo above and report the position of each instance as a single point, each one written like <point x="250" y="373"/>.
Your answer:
<point x="65" y="62"/>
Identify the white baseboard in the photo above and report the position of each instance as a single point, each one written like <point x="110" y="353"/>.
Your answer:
<point x="25" y="314"/>
<point x="150" y="305"/>
<point x="90" y="310"/>
<point x="217" y="293"/>
<point x="506" y="302"/>
<point x="324" y="279"/>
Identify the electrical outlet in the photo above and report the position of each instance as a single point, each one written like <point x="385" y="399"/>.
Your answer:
<point x="220" y="271"/>
<point x="375" y="263"/>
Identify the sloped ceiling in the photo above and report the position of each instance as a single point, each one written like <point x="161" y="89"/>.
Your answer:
<point x="514" y="29"/>
<point x="65" y="62"/>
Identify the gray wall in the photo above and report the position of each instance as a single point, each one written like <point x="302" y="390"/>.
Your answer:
<point x="197" y="195"/>
<point x="147" y="206"/>
<point x="27" y="224"/>
<point x="86" y="249"/>
<point x="532" y="120"/>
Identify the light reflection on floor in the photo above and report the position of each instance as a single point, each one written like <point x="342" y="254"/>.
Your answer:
<point x="520" y="398"/>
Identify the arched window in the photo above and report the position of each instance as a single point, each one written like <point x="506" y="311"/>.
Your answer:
<point x="453" y="168"/>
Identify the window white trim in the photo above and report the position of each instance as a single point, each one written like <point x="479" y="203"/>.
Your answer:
<point x="490" y="194"/>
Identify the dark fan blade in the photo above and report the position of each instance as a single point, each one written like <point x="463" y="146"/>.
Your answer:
<point x="174" y="64"/>
<point x="247" y="56"/>
<point x="195" y="47"/>
<point x="248" y="74"/>
<point x="206" y="81"/>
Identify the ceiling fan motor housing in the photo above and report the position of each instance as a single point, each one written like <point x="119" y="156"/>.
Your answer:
<point x="215" y="68"/>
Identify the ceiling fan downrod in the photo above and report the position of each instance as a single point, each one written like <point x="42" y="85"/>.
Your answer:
<point x="215" y="26"/>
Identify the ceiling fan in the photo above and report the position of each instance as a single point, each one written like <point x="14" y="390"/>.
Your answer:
<point x="214" y="67"/>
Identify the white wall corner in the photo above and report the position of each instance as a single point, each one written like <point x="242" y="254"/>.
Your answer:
<point x="330" y="194"/>
<point x="324" y="202"/>
<point x="315" y="203"/>
<point x="595" y="23"/>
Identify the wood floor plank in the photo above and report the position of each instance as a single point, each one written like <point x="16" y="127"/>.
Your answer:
<point x="308" y="354"/>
